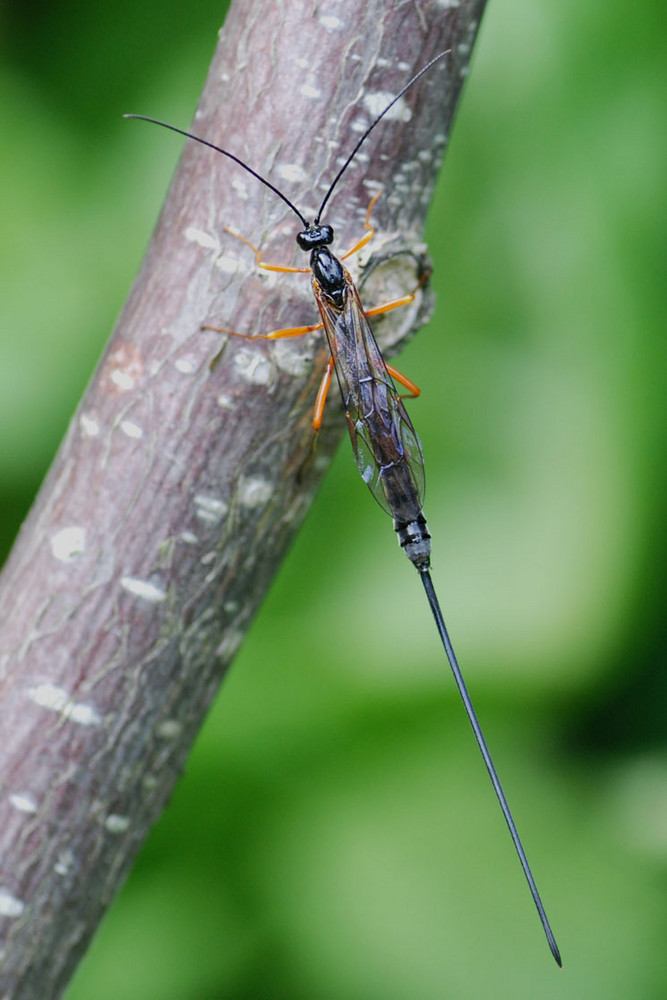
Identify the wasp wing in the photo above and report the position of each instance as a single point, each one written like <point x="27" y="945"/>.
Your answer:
<point x="386" y="447"/>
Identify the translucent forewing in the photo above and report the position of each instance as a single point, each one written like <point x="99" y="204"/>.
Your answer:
<point x="386" y="447"/>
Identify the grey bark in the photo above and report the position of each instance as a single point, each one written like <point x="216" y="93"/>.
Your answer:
<point x="179" y="486"/>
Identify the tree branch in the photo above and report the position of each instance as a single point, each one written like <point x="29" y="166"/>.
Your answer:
<point x="178" y="488"/>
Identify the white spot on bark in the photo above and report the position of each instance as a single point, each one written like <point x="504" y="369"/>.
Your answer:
<point x="89" y="426"/>
<point x="254" y="367"/>
<point x="291" y="360"/>
<point x="116" y="824"/>
<point x="68" y="543"/>
<point x="185" y="366"/>
<point x="241" y="188"/>
<point x="373" y="186"/>
<point x="291" y="172"/>
<point x="331" y="22"/>
<point x="49" y="696"/>
<point x="308" y="91"/>
<point x="201" y="238"/>
<point x="209" y="508"/>
<point x="64" y="862"/>
<point x="84" y="715"/>
<point x="227" y="264"/>
<point x="143" y="589"/>
<point x="170" y="729"/>
<point x="376" y="102"/>
<point x="253" y="492"/>
<point x="23" y="802"/>
<point x="10" y="906"/>
<point x="56" y="699"/>
<point x="341" y="160"/>
<point x="122" y="380"/>
<point x="131" y="429"/>
<point x="189" y="537"/>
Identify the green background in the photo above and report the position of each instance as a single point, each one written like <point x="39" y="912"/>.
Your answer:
<point x="335" y="835"/>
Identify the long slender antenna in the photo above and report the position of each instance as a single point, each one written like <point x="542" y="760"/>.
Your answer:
<point x="225" y="152"/>
<point x="268" y="184"/>
<point x="370" y="128"/>
<point x="481" y="743"/>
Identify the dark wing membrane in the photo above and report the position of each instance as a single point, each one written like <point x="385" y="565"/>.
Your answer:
<point x="386" y="446"/>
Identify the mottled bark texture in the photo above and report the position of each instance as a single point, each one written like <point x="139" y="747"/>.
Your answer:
<point x="179" y="487"/>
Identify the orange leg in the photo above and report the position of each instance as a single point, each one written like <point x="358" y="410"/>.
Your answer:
<point x="403" y="301"/>
<point x="322" y="393"/>
<point x="413" y="390"/>
<point x="283" y="268"/>
<point x="367" y="225"/>
<point x="289" y="331"/>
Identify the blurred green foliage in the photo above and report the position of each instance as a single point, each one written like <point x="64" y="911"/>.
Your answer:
<point x="336" y="836"/>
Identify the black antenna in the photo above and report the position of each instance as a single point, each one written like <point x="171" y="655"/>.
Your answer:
<point x="268" y="184"/>
<point x="370" y="128"/>
<point x="225" y="152"/>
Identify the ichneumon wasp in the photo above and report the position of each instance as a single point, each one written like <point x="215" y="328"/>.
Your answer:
<point x="386" y="447"/>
